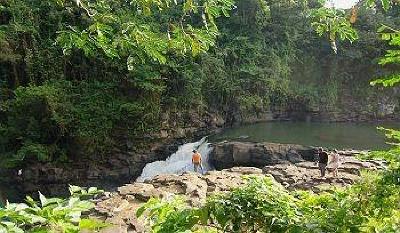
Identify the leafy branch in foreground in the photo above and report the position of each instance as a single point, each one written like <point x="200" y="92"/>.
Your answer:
<point x="142" y="30"/>
<point x="392" y="56"/>
<point x="51" y="214"/>
<point x="386" y="4"/>
<point x="332" y="23"/>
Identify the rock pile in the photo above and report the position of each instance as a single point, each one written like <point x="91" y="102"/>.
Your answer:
<point x="306" y="175"/>
<point x="119" y="208"/>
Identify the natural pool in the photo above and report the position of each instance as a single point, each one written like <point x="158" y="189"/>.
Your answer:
<point x="360" y="136"/>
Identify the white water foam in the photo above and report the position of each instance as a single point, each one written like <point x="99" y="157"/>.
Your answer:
<point x="179" y="162"/>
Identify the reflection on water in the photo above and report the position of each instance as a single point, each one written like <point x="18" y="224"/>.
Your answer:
<point x="361" y="136"/>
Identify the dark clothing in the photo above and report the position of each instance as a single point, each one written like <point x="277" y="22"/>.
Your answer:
<point x="323" y="157"/>
<point x="196" y="167"/>
<point x="322" y="168"/>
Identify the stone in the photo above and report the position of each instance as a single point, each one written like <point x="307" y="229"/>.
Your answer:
<point x="115" y="229"/>
<point x="230" y="154"/>
<point x="164" y="134"/>
<point x="140" y="191"/>
<point x="245" y="170"/>
<point x="180" y="132"/>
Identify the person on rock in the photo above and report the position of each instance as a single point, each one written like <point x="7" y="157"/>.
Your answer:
<point x="335" y="162"/>
<point x="196" y="160"/>
<point x="322" y="161"/>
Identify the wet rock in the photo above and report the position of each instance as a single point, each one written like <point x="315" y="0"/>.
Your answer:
<point x="230" y="154"/>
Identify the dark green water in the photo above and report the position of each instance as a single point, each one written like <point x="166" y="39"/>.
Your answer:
<point x="360" y="136"/>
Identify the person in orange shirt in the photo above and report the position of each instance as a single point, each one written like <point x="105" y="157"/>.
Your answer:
<point x="196" y="160"/>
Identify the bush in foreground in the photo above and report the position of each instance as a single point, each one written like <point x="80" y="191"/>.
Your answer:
<point x="51" y="214"/>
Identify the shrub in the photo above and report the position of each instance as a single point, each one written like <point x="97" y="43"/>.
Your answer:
<point x="51" y="214"/>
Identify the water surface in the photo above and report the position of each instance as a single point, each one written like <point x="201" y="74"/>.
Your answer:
<point x="360" y="136"/>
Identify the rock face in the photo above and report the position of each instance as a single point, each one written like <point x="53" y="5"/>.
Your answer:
<point x="230" y="154"/>
<point x="124" y="163"/>
<point x="119" y="208"/>
<point x="53" y="179"/>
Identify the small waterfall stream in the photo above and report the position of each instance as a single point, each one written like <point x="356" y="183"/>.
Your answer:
<point x="179" y="162"/>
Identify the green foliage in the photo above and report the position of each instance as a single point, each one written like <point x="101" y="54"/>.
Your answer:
<point x="51" y="214"/>
<point x="354" y="209"/>
<point x="263" y="205"/>
<point x="62" y="111"/>
<point x="332" y="24"/>
<point x="386" y="4"/>
<point x="391" y="57"/>
<point x="249" y="69"/>
<point x="33" y="125"/>
<point x="142" y="30"/>
<point x="170" y="216"/>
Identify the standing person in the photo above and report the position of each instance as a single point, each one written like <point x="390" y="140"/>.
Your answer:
<point x="196" y="160"/>
<point x="335" y="162"/>
<point x="322" y="161"/>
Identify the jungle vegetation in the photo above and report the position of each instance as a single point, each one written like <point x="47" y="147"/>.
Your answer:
<point x="371" y="205"/>
<point x="75" y="76"/>
<point x="74" y="73"/>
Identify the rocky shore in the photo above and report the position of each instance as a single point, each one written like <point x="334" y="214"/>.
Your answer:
<point x="290" y="165"/>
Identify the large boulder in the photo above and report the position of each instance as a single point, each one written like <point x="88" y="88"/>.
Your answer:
<point x="231" y="154"/>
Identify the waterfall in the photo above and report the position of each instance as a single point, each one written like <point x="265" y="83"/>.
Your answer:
<point x="179" y="162"/>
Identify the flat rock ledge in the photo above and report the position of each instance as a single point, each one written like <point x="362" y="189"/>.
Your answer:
<point x="119" y="208"/>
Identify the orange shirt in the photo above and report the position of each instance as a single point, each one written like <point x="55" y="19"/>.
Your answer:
<point x="196" y="158"/>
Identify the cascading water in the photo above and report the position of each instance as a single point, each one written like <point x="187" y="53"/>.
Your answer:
<point x="178" y="162"/>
